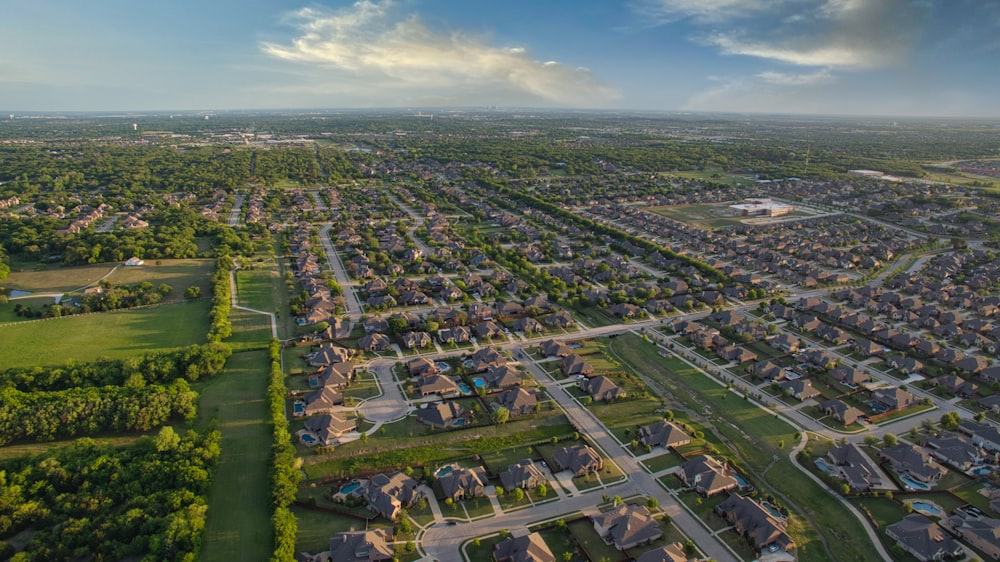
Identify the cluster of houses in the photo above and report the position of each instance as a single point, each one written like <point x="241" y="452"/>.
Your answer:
<point x="334" y="373"/>
<point x="86" y="216"/>
<point x="598" y="387"/>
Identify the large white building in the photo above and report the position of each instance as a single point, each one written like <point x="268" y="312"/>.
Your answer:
<point x="761" y="207"/>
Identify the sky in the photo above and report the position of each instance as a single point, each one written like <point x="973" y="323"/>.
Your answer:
<point x="925" y="58"/>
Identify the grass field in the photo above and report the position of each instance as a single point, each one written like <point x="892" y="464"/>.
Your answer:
<point x="23" y="449"/>
<point x="256" y="288"/>
<point x="238" y="525"/>
<point x="179" y="274"/>
<point x="250" y="330"/>
<point x="108" y="334"/>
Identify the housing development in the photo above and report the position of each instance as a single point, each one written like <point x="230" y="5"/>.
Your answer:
<point x="498" y="335"/>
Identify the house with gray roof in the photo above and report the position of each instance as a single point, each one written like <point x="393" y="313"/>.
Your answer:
<point x="486" y="357"/>
<point x="321" y="401"/>
<point x="708" y="476"/>
<point x="463" y="483"/>
<point x="673" y="552"/>
<point x="359" y="546"/>
<point x="502" y="377"/>
<point x="602" y="388"/>
<point x="523" y="475"/>
<point x="518" y="401"/>
<point x="441" y="415"/>
<point x="955" y="450"/>
<point x="553" y="348"/>
<point x="438" y="384"/>
<point x="913" y="461"/>
<point x="852" y="465"/>
<point x="979" y="531"/>
<point x="892" y="399"/>
<point x="578" y="459"/>
<point x="576" y="365"/>
<point x="526" y="548"/>
<point x="923" y="538"/>
<point x="840" y="411"/>
<point x="374" y="342"/>
<point x="330" y="427"/>
<point x="386" y="495"/>
<point x="800" y="389"/>
<point x="627" y="526"/>
<point x="755" y="523"/>
<point x="663" y="434"/>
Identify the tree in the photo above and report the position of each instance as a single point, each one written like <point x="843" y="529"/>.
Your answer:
<point x="980" y="417"/>
<point x="167" y="439"/>
<point x="889" y="440"/>
<point x="518" y="494"/>
<point x="541" y="490"/>
<point x="501" y="415"/>
<point x="950" y="421"/>
<point x="192" y="292"/>
<point x="652" y="503"/>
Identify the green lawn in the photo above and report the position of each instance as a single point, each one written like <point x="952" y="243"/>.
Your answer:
<point x="662" y="462"/>
<point x="113" y="335"/>
<point x="24" y="449"/>
<point x="255" y="288"/>
<point x="251" y="330"/>
<point x="238" y="525"/>
<point x="583" y="531"/>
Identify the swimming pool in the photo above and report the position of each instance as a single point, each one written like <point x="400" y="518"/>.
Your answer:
<point x="478" y="382"/>
<point x="926" y="508"/>
<point x="298" y="408"/>
<point x="444" y="470"/>
<point x="742" y="481"/>
<point x="464" y="388"/>
<point x="913" y="484"/>
<point x="467" y="363"/>
<point x="459" y="423"/>
<point x="982" y="470"/>
<point x="574" y="345"/>
<point x="821" y="464"/>
<point x="348" y="488"/>
<point x="308" y="439"/>
<point x="442" y="366"/>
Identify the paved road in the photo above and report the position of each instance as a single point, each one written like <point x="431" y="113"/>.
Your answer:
<point x="354" y="309"/>
<point x="234" y="216"/>
<point x="391" y="405"/>
<point x="442" y="543"/>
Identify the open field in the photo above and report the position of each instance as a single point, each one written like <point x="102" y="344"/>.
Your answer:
<point x="179" y="274"/>
<point x="256" y="288"/>
<point x="23" y="449"/>
<point x="251" y="330"/>
<point x="113" y="335"/>
<point x="238" y="525"/>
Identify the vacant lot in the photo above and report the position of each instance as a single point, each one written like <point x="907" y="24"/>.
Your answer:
<point x="238" y="526"/>
<point x="179" y="274"/>
<point x="108" y="334"/>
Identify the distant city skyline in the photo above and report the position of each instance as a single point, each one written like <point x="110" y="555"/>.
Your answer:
<point x="921" y="58"/>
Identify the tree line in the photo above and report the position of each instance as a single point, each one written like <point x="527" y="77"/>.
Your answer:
<point x="285" y="475"/>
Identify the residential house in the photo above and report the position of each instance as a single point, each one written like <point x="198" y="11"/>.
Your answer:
<point x="800" y="389"/>
<point x="737" y="354"/>
<point x="673" y="552"/>
<point x="330" y="427"/>
<point x="913" y="461"/>
<point x="321" y="401"/>
<point x="486" y="357"/>
<point x="528" y="325"/>
<point x="768" y="371"/>
<point x="553" y="348"/>
<point x="663" y="434"/>
<point x="559" y="319"/>
<point x="329" y="354"/>
<point x="413" y="340"/>
<point x="502" y="377"/>
<point x="984" y="435"/>
<point x="576" y="365"/>
<point x="602" y="388"/>
<point x="438" y="384"/>
<point x="463" y="483"/>
<point x="955" y="450"/>
<point x="386" y="495"/>
<point x="850" y="377"/>
<point x="854" y="466"/>
<point x="523" y="475"/>
<point x="979" y="531"/>
<point x="787" y="343"/>
<point x="488" y="329"/>
<point x="518" y="401"/>
<point x="924" y="539"/>
<point x="956" y="385"/>
<point x="455" y="334"/>
<point x="526" y="548"/>
<point x="708" y="476"/>
<point x="374" y="342"/>
<point x="840" y="411"/>
<point x="578" y="459"/>
<point x="359" y="546"/>
<point x="441" y="415"/>
<point x="892" y="399"/>
<point x="627" y="526"/>
<point x="755" y="523"/>
<point x="421" y="367"/>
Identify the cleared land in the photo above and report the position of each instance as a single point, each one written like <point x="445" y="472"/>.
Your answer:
<point x="238" y="525"/>
<point x="179" y="274"/>
<point x="113" y="335"/>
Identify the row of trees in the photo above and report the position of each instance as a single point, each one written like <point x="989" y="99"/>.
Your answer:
<point x="191" y="363"/>
<point x="284" y="472"/>
<point x="106" y="503"/>
<point x="220" y="327"/>
<point x="46" y="415"/>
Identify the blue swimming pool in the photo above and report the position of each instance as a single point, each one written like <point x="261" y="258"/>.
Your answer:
<point x="444" y="470"/>
<point x="464" y="388"/>
<point x="478" y="382"/>
<point x="742" y="481"/>
<point x="467" y="363"/>
<point x="926" y="508"/>
<point x="913" y="484"/>
<point x="574" y="345"/>
<point x="299" y="408"/>
<point x="821" y="463"/>
<point x="459" y="423"/>
<point x="308" y="439"/>
<point x="981" y="471"/>
<point x="348" y="488"/>
<point x="442" y="366"/>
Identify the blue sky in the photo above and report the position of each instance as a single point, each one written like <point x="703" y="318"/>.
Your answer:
<point x="862" y="57"/>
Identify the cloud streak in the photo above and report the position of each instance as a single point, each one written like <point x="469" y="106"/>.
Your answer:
<point x="371" y="40"/>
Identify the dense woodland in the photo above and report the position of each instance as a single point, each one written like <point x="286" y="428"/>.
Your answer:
<point x="104" y="503"/>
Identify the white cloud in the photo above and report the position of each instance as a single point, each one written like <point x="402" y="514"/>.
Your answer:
<point x="783" y="79"/>
<point x="370" y="41"/>
<point x="857" y="34"/>
<point x="704" y="10"/>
